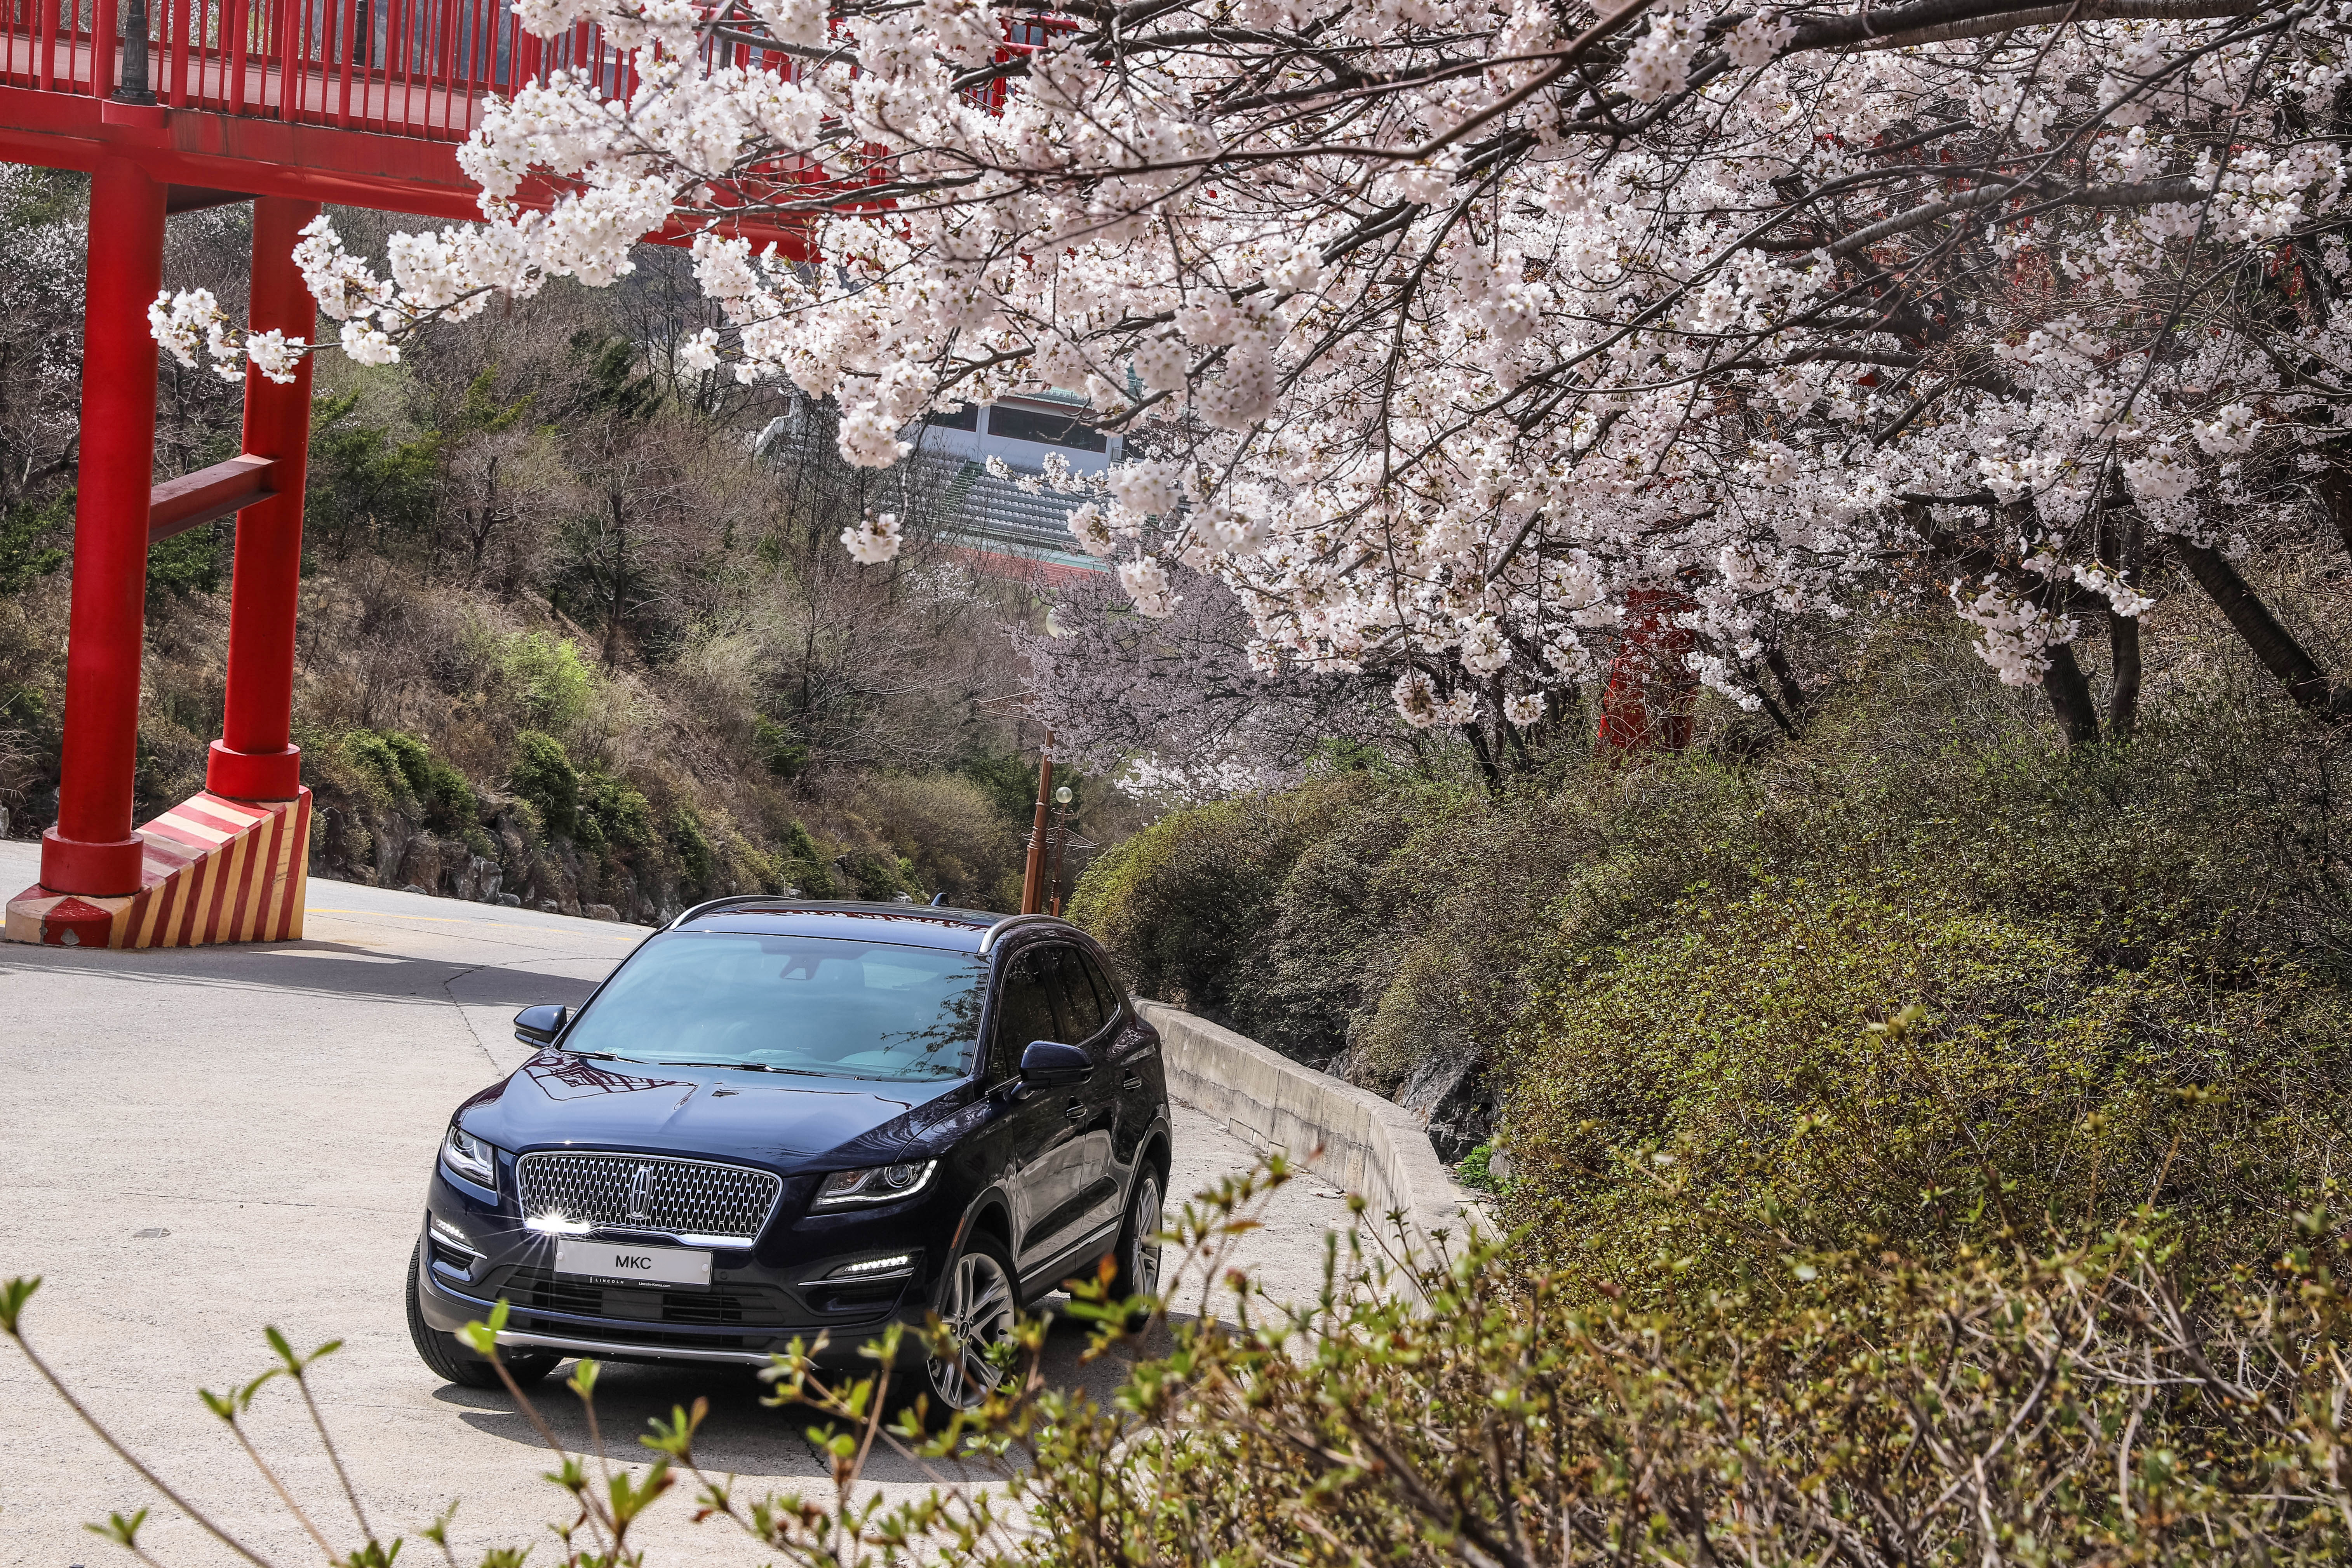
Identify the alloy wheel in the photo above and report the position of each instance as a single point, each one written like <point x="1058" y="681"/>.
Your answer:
<point x="978" y="1309"/>
<point x="1142" y="1260"/>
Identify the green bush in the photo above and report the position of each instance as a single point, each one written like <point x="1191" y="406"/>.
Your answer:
<point x="553" y="683"/>
<point x="1184" y="903"/>
<point x="803" y="865"/>
<point x="543" y="775"/>
<point x="2083" y="1404"/>
<point x="691" y="845"/>
<point x="447" y="801"/>
<point x="31" y="537"/>
<point x="1813" y="1068"/>
<point x="617" y="814"/>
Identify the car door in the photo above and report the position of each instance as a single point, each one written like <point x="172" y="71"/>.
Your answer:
<point x="1130" y="1053"/>
<point x="1094" y="1176"/>
<point x="1038" y="1127"/>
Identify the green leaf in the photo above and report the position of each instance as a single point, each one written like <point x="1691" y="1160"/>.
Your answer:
<point x="13" y="1296"/>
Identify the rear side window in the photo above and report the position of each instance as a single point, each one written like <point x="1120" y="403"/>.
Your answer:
<point x="1080" y="1006"/>
<point x="1024" y="1008"/>
<point x="1106" y="987"/>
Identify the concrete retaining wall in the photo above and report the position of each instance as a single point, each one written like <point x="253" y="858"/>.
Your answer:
<point x="1369" y="1145"/>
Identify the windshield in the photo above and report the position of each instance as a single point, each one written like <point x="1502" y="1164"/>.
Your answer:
<point x="788" y="1004"/>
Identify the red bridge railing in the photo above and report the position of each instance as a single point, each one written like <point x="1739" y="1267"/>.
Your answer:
<point x="404" y="67"/>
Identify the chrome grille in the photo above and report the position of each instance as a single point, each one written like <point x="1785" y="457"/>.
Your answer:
<point x="685" y="1198"/>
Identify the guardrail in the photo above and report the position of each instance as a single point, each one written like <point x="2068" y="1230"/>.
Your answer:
<point x="1366" y="1144"/>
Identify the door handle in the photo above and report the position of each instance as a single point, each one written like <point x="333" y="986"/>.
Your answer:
<point x="1132" y="1080"/>
<point x="1078" y="1111"/>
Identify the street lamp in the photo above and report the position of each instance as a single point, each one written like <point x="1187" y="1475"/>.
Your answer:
<point x="1062" y="798"/>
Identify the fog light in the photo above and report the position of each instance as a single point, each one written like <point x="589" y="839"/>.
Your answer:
<point x="449" y="1236"/>
<point x="873" y="1265"/>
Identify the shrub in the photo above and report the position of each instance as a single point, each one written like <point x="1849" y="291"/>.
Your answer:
<point x="617" y="812"/>
<point x="554" y="685"/>
<point x="948" y="830"/>
<point x="803" y="865"/>
<point x="1813" y="1068"/>
<point x="543" y="775"/>
<point x="1184" y="903"/>
<point x="692" y="847"/>
<point x="2082" y="1404"/>
<point x="447" y="801"/>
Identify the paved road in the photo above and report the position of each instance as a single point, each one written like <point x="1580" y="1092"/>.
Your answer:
<point x="199" y="1142"/>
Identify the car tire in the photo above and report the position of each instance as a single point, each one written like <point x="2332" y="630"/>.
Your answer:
<point x="1135" y="1262"/>
<point x="452" y="1362"/>
<point x="979" y="1300"/>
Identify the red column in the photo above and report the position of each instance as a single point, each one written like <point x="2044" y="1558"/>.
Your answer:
<point x="91" y="849"/>
<point x="255" y="758"/>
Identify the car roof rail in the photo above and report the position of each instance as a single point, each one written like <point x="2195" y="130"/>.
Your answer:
<point x="772" y="901"/>
<point x="988" y="939"/>
<point x="813" y="906"/>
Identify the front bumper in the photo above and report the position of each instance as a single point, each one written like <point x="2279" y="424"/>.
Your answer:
<point x="476" y="1252"/>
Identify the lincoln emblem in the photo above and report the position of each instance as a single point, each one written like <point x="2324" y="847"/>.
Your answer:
<point x="641" y="1195"/>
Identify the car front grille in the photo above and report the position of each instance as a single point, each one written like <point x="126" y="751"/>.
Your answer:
<point x="547" y="1292"/>
<point x="721" y="1204"/>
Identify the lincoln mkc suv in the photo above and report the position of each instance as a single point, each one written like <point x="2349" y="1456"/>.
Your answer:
<point x="778" y="1118"/>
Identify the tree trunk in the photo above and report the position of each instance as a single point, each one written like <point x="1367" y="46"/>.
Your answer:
<point x="2336" y="495"/>
<point x="2123" y="698"/>
<point x="2070" y="697"/>
<point x="1791" y="692"/>
<point x="2119" y="551"/>
<point x="1487" y="768"/>
<point x="2280" y="653"/>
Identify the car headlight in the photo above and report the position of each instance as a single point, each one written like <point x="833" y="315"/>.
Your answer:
<point x="470" y="1157"/>
<point x="876" y="1184"/>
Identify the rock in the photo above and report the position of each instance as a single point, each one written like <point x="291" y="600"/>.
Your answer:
<point x="412" y="887"/>
<point x="600" y="912"/>
<point x="550" y="907"/>
<point x="508" y="901"/>
<point x="1449" y="1093"/>
<point x="1499" y="1163"/>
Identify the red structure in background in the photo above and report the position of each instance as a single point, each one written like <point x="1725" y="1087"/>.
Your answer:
<point x="1648" y="701"/>
<point x="287" y="104"/>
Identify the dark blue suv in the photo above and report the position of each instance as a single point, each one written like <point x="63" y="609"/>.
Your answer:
<point x="778" y="1118"/>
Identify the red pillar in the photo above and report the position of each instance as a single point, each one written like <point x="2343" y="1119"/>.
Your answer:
<point x="255" y="758"/>
<point x="92" y="849"/>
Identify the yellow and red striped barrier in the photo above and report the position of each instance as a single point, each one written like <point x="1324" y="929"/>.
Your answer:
<point x="215" y="869"/>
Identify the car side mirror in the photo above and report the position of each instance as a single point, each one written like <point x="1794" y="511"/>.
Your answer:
<point x="1049" y="1064"/>
<point x="539" y="1026"/>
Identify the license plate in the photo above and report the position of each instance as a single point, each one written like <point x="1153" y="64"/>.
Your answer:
<point x="620" y="1264"/>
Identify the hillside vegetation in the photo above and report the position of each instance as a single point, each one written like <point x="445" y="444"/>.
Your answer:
<point x="1920" y="979"/>
<point x="572" y="633"/>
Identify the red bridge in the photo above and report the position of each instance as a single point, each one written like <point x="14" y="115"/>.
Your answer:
<point x="289" y="104"/>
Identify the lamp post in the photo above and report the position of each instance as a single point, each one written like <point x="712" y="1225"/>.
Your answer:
<point x="134" y="54"/>
<point x="1061" y="838"/>
<point x="1033" y="875"/>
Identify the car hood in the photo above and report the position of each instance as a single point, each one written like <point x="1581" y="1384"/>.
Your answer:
<point x="787" y="1124"/>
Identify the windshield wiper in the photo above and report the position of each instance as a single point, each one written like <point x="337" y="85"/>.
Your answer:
<point x="746" y="1066"/>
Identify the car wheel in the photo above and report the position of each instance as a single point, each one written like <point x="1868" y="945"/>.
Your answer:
<point x="977" y="1304"/>
<point x="1137" y="1260"/>
<point x="452" y="1362"/>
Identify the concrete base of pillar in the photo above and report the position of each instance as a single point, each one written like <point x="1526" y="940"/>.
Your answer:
<point x="214" y="870"/>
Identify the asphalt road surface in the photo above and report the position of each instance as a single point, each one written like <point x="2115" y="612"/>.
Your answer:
<point x="199" y="1142"/>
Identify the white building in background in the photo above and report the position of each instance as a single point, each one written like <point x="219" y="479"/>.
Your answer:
<point x="993" y="514"/>
<point x="1023" y="431"/>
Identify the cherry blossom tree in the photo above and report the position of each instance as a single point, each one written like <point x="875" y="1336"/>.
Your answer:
<point x="1458" y="326"/>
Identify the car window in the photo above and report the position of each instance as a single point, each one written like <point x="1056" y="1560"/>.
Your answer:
<point x="1024" y="1008"/>
<point x="1080" y="1007"/>
<point x="788" y="1004"/>
<point x="1105" y="988"/>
